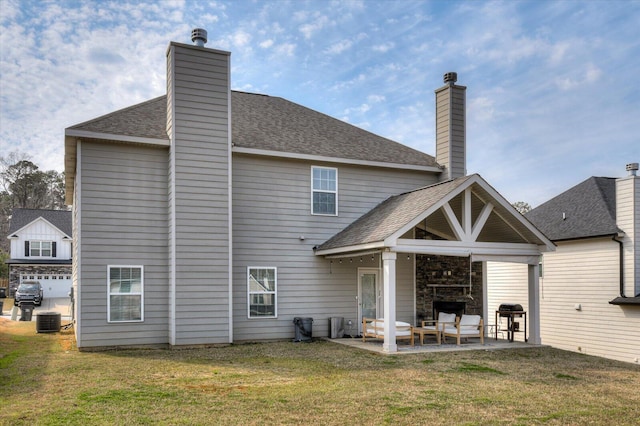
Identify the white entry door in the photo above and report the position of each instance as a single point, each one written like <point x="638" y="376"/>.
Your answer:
<point x="369" y="295"/>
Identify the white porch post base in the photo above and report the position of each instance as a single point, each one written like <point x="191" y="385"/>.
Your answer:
<point x="389" y="291"/>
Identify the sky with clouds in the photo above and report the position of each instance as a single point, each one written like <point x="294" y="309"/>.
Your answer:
<point x="553" y="95"/>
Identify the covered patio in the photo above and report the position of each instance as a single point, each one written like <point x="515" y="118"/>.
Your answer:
<point x="463" y="217"/>
<point x="489" y="345"/>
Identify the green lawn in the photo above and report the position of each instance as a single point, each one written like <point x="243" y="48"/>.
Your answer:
<point x="44" y="380"/>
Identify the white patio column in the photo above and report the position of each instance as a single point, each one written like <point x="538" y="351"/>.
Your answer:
<point x="533" y="316"/>
<point x="389" y="292"/>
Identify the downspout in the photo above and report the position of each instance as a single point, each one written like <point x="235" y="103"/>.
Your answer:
<point x="621" y="262"/>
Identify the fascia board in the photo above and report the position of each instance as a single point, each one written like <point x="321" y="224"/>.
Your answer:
<point x="85" y="134"/>
<point x="319" y="158"/>
<point x="466" y="248"/>
<point x="349" y="249"/>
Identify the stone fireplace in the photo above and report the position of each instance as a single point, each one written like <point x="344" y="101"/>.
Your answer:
<point x="450" y="307"/>
<point x="442" y="284"/>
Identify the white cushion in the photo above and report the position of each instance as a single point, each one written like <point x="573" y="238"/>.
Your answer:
<point x="445" y="317"/>
<point x="377" y="327"/>
<point x="470" y="322"/>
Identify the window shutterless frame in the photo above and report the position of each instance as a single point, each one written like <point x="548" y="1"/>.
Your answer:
<point x="324" y="191"/>
<point x="125" y="293"/>
<point x="262" y="292"/>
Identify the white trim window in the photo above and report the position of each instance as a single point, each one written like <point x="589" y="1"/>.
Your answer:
<point x="125" y="288"/>
<point x="324" y="191"/>
<point x="262" y="291"/>
<point x="40" y="249"/>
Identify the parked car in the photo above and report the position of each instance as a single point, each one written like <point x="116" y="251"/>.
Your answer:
<point x="29" y="291"/>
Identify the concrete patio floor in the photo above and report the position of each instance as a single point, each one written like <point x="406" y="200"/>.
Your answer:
<point x="490" y="344"/>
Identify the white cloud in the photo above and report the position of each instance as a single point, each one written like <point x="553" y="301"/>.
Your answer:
<point x="374" y="99"/>
<point x="339" y="47"/>
<point x="266" y="44"/>
<point x="385" y="47"/>
<point x="310" y="28"/>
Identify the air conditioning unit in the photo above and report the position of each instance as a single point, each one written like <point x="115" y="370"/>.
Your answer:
<point x="48" y="322"/>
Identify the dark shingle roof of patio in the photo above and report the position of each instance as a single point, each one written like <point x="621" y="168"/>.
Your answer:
<point x="391" y="215"/>
<point x="589" y="210"/>
<point x="271" y="124"/>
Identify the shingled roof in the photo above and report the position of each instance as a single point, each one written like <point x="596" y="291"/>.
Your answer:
<point x="586" y="210"/>
<point x="61" y="219"/>
<point x="391" y="215"/>
<point x="146" y="120"/>
<point x="271" y="124"/>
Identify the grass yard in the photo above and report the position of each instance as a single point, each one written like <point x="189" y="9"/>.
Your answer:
<point x="44" y="380"/>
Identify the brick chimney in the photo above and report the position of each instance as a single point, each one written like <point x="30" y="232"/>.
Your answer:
<point x="451" y="128"/>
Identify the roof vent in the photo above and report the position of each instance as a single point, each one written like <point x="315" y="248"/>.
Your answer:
<point x="199" y="36"/>
<point x="632" y="168"/>
<point x="450" y="77"/>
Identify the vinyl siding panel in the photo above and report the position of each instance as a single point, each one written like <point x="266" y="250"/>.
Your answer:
<point x="508" y="284"/>
<point x="451" y="129"/>
<point x="272" y="209"/>
<point x="583" y="272"/>
<point x="114" y="178"/>
<point x="199" y="195"/>
<point x="628" y="220"/>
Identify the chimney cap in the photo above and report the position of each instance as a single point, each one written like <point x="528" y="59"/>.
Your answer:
<point x="632" y="168"/>
<point x="450" y="77"/>
<point x="199" y="36"/>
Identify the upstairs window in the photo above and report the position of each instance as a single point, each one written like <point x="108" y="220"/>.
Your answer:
<point x="324" y="191"/>
<point x="40" y="249"/>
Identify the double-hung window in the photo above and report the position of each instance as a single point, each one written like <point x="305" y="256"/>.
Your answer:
<point x="324" y="191"/>
<point x="40" y="248"/>
<point x="262" y="286"/>
<point x="126" y="291"/>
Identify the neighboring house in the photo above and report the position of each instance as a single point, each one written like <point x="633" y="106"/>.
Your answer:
<point x="590" y="286"/>
<point x="213" y="216"/>
<point x="41" y="250"/>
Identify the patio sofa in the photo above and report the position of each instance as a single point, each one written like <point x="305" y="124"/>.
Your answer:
<point x="372" y="327"/>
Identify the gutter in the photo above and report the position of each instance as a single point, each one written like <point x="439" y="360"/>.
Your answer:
<point x="622" y="299"/>
<point x="621" y="262"/>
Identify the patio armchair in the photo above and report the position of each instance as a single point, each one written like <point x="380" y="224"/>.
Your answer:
<point x="372" y="327"/>
<point x="435" y="327"/>
<point x="466" y="326"/>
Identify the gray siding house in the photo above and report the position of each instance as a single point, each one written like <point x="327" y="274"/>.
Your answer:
<point x="214" y="216"/>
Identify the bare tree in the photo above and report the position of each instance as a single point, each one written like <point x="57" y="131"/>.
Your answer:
<point x="522" y="207"/>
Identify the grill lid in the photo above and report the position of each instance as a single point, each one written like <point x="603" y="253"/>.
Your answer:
<point x="508" y="307"/>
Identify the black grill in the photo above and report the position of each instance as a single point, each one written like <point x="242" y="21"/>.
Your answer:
<point x="506" y="309"/>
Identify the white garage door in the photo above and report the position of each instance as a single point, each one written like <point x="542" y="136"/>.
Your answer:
<point x="52" y="285"/>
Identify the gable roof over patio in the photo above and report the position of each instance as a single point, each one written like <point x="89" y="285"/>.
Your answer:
<point x="466" y="215"/>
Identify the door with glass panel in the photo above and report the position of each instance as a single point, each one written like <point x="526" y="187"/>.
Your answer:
<point x="369" y="295"/>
